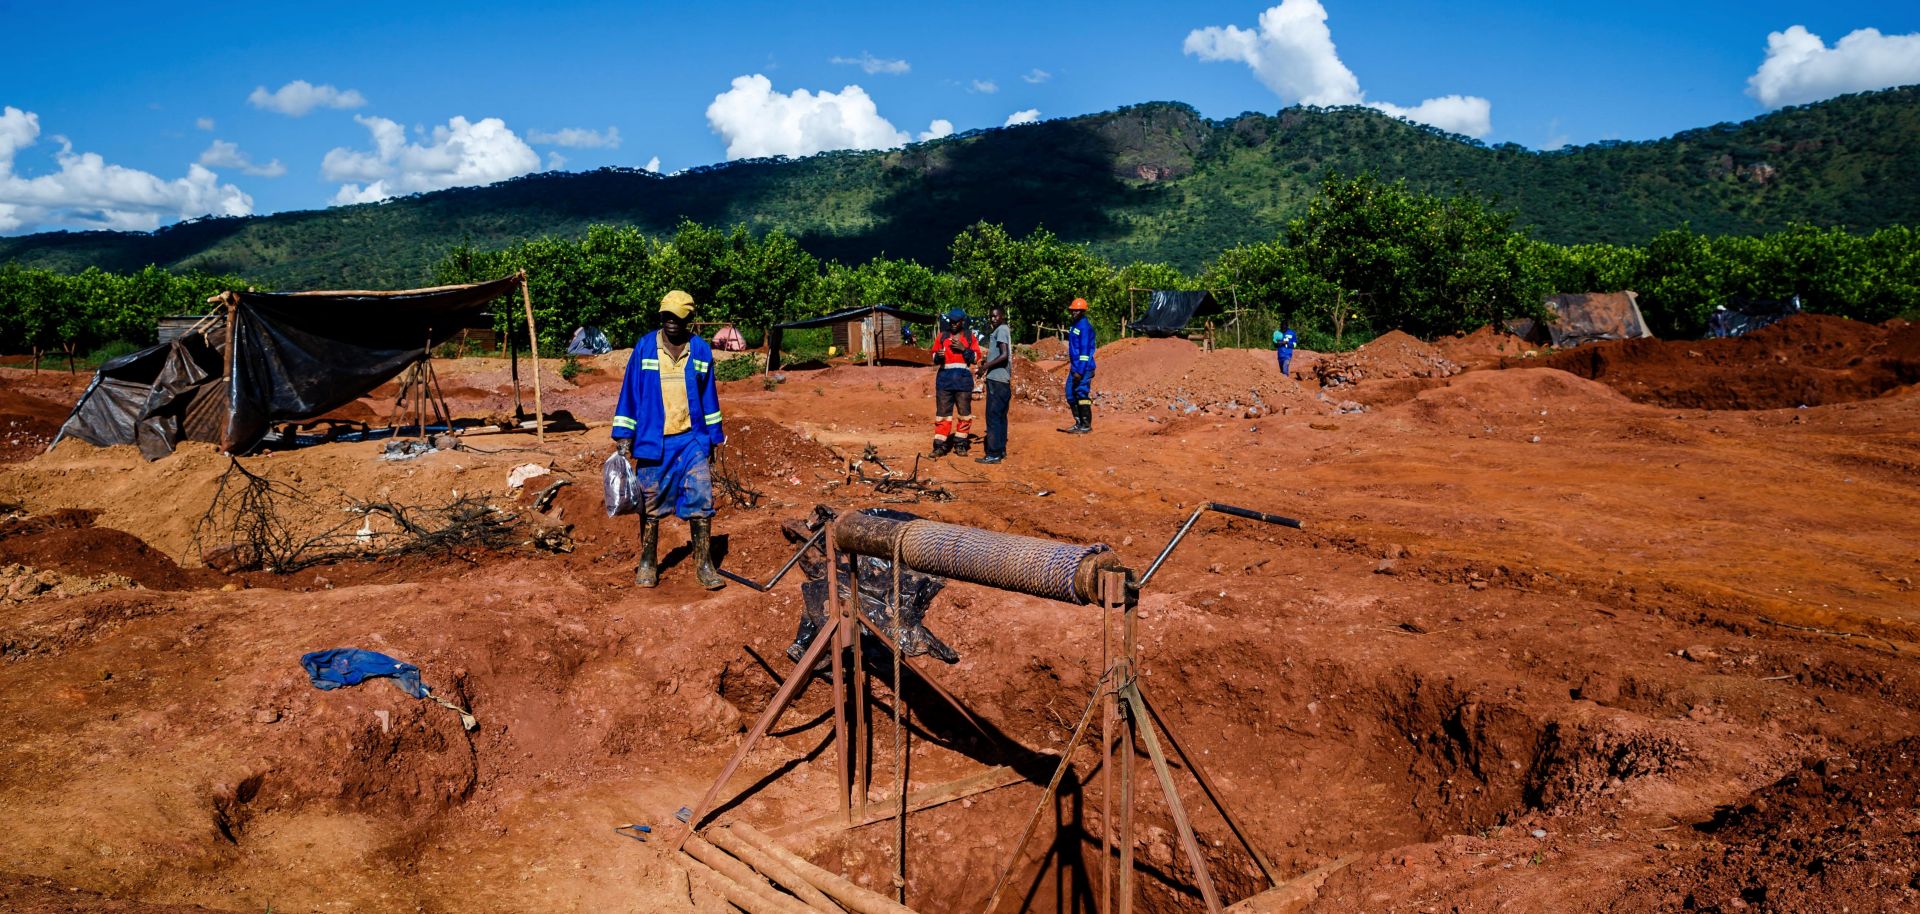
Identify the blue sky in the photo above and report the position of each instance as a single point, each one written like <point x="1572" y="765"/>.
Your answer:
<point x="135" y="115"/>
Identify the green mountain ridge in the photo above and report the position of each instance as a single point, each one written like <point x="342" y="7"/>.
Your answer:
<point x="1154" y="182"/>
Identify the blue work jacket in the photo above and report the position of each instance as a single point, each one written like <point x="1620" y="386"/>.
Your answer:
<point x="1080" y="346"/>
<point x="639" y="414"/>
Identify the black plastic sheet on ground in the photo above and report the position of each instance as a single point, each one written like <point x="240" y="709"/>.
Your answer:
<point x="1169" y="312"/>
<point x="1748" y="315"/>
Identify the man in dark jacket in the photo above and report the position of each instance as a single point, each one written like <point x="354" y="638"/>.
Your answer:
<point x="668" y="420"/>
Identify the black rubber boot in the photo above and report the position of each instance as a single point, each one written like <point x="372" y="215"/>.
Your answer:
<point x="648" y="572"/>
<point x="1073" y="429"/>
<point x="961" y="446"/>
<point x="703" y="571"/>
<point x="939" y="449"/>
<point x="1082" y="419"/>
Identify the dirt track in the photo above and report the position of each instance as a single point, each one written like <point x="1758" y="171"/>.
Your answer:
<point x="1673" y="641"/>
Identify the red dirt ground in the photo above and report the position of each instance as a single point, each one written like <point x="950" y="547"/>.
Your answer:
<point x="1542" y="646"/>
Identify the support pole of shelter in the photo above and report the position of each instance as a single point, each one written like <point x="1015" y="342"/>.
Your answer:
<point x="533" y="344"/>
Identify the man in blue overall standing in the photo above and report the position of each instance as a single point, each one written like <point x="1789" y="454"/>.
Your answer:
<point x="1080" y="347"/>
<point x="668" y="420"/>
<point x="1283" y="340"/>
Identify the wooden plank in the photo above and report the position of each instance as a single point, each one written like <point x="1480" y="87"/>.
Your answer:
<point x="925" y="798"/>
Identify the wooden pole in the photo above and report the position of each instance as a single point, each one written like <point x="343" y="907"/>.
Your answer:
<point x="1127" y="725"/>
<point x="533" y="342"/>
<point x="1181" y="824"/>
<point x="796" y="680"/>
<point x="744" y="896"/>
<point x="1207" y="787"/>
<point x="1109" y="716"/>
<point x="775" y="870"/>
<point x="837" y="611"/>
<point x="852" y="897"/>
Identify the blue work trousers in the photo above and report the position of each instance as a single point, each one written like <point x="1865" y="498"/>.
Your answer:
<point x="680" y="482"/>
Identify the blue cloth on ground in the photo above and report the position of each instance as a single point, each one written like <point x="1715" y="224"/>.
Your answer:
<point x="347" y="666"/>
<point x="680" y="482"/>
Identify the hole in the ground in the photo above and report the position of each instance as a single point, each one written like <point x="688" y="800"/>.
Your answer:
<point x="1317" y="763"/>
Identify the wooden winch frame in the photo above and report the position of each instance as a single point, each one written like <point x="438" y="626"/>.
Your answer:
<point x="1130" y="724"/>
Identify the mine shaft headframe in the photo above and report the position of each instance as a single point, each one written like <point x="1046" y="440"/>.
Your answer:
<point x="1053" y="570"/>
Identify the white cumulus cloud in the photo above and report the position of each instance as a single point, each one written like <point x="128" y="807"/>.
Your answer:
<point x="458" y="154"/>
<point x="1800" y="68"/>
<point x="577" y="138"/>
<point x="984" y="86"/>
<point x="222" y="154"/>
<point x="939" y="128"/>
<point x="204" y="123"/>
<point x="88" y="192"/>
<point x="1291" y="52"/>
<point x="1022" y="117"/>
<point x="757" y="121"/>
<point x="1037" y="76"/>
<point x="874" y="66"/>
<point x="653" y="165"/>
<point x="297" y="98"/>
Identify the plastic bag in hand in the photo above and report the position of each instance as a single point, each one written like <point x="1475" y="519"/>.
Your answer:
<point x="622" y="485"/>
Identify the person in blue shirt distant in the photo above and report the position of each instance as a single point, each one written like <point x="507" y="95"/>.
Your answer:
<point x="1283" y="340"/>
<point x="1080" y="347"/>
<point x="668" y="421"/>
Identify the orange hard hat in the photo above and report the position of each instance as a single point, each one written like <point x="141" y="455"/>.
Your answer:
<point x="1079" y="304"/>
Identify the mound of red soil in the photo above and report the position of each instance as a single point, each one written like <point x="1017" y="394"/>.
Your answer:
<point x="1178" y="376"/>
<point x="1392" y="355"/>
<point x="1052" y="347"/>
<point x="1805" y="360"/>
<point x="1837" y="835"/>
<point x="1481" y="348"/>
<point x="67" y="541"/>
<point x="762" y="454"/>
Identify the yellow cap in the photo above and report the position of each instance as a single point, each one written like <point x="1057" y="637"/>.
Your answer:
<point x="677" y="303"/>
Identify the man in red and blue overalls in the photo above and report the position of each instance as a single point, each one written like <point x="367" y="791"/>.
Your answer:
<point x="955" y="350"/>
<point x="668" y="420"/>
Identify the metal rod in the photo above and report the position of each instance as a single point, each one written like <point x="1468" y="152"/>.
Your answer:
<point x="763" y="588"/>
<point x="1174" y="806"/>
<point x="1247" y="513"/>
<point x="1206" y="786"/>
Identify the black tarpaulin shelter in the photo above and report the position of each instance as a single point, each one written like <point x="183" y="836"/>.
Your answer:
<point x="1169" y="312"/>
<point x="269" y="357"/>
<point x="840" y="317"/>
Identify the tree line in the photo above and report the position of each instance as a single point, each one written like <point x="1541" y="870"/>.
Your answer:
<point x="1367" y="256"/>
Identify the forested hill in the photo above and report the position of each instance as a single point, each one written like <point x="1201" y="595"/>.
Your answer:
<point x="1150" y="182"/>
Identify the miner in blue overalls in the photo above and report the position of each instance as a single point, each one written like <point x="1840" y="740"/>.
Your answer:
<point x="668" y="421"/>
<point x="1283" y="340"/>
<point x="1080" y="347"/>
